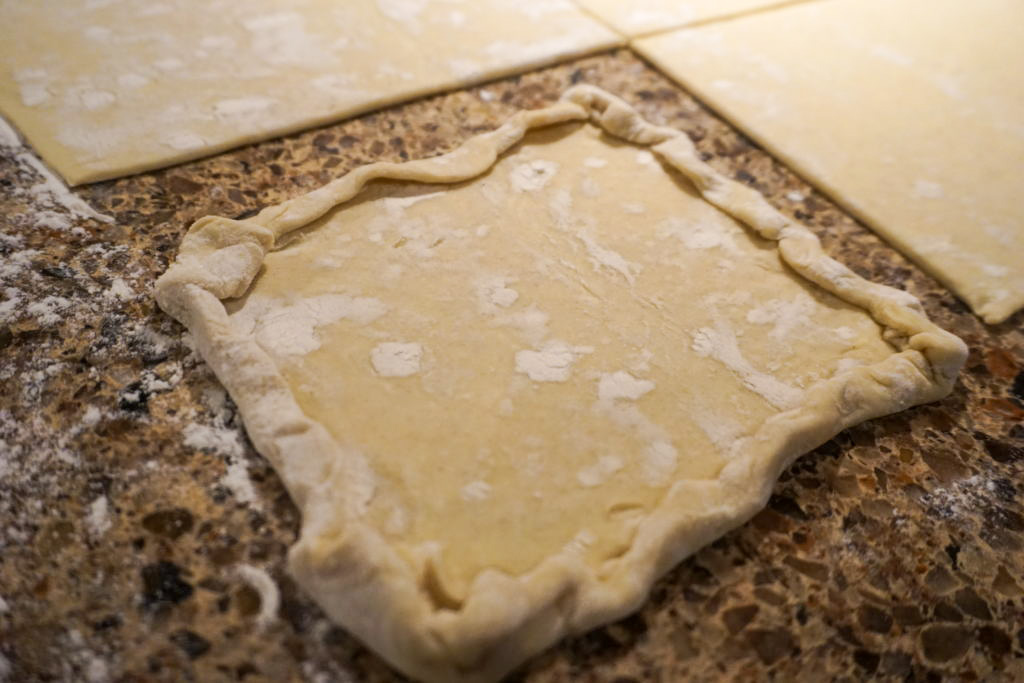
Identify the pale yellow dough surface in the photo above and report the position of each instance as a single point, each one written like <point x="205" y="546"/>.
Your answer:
<point x="105" y="89"/>
<point x="640" y="17"/>
<point x="586" y="330"/>
<point x="510" y="394"/>
<point x="908" y="112"/>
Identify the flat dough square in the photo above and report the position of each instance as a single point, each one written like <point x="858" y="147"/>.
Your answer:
<point x="106" y="89"/>
<point x="907" y="112"/>
<point x="643" y="17"/>
<point x="510" y="386"/>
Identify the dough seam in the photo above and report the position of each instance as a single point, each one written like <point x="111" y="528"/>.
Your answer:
<point x="362" y="583"/>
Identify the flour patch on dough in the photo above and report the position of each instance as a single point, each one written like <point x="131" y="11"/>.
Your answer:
<point x="531" y="322"/>
<point x="396" y="359"/>
<point x="701" y="235"/>
<point x="531" y="176"/>
<point x="928" y="189"/>
<point x="603" y="257"/>
<point x="494" y="293"/>
<point x="475" y="491"/>
<point x="293" y="329"/>
<point x="242" y="107"/>
<point x="551" y="363"/>
<point x="722" y="430"/>
<point x="622" y="386"/>
<point x="719" y="342"/>
<point x="183" y="140"/>
<point x="659" y="463"/>
<point x="784" y="315"/>
<point x="600" y="471"/>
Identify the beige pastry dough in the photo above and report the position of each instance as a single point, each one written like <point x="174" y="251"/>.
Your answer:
<point x="907" y="112"/>
<point x="642" y="17"/>
<point x="105" y="89"/>
<point x="510" y="386"/>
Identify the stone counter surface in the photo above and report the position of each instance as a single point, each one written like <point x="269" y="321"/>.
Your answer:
<point x="142" y="538"/>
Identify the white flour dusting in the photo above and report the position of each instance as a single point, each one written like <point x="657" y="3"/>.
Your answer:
<point x="660" y="462"/>
<point x="494" y="293"/>
<point x="607" y="258"/>
<point x="226" y="442"/>
<point x="622" y="385"/>
<point x="784" y="315"/>
<point x="292" y="329"/>
<point x="396" y="359"/>
<point x="531" y="176"/>
<point x="551" y="363"/>
<point x="49" y="192"/>
<point x="476" y="491"/>
<point x="704" y="235"/>
<point x="720" y="343"/>
<point x="600" y="471"/>
<point x="97" y="521"/>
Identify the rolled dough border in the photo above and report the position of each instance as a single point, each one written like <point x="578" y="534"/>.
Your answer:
<point x="362" y="583"/>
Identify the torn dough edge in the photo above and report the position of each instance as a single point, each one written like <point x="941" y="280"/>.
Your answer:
<point x="397" y="609"/>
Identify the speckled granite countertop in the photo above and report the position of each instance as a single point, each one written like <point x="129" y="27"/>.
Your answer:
<point x="138" y="527"/>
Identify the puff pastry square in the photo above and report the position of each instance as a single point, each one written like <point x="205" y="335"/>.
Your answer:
<point x="106" y="89"/>
<point x="510" y="386"/>
<point x="902" y="111"/>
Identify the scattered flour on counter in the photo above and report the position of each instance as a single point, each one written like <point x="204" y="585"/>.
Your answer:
<point x="719" y="342"/>
<point x="795" y="196"/>
<point x="237" y="480"/>
<point x="120" y="290"/>
<point x="599" y="472"/>
<point x="48" y="311"/>
<point x="97" y="521"/>
<point x="49" y="191"/>
<point x="262" y="583"/>
<point x="221" y="440"/>
<point x="225" y="442"/>
<point x="551" y="363"/>
<point x="396" y="359"/>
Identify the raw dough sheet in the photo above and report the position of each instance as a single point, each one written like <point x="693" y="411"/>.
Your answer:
<point x="509" y="394"/>
<point x="108" y="88"/>
<point x="910" y="113"/>
<point x="642" y="17"/>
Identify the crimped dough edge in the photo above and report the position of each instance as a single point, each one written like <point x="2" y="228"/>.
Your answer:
<point x="359" y="579"/>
